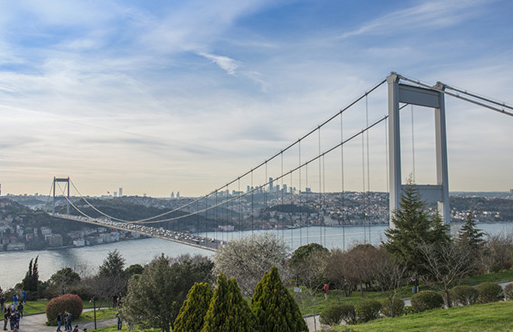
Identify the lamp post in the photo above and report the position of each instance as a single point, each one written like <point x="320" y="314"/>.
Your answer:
<point x="94" y="310"/>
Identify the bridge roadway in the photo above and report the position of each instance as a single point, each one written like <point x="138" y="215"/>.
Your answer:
<point x="159" y="233"/>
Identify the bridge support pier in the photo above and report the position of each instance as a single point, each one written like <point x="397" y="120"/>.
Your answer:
<point x="66" y="180"/>
<point x="413" y="95"/>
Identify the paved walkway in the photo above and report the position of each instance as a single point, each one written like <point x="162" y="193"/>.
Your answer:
<point x="37" y="323"/>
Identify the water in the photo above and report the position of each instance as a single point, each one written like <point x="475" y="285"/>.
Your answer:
<point x="86" y="260"/>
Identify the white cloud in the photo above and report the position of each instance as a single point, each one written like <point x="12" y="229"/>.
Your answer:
<point x="224" y="62"/>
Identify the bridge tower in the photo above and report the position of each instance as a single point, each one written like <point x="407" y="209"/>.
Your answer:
<point x="66" y="180"/>
<point x="431" y="98"/>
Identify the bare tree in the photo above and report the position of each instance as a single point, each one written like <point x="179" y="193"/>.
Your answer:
<point x="390" y="275"/>
<point x="498" y="249"/>
<point x="446" y="264"/>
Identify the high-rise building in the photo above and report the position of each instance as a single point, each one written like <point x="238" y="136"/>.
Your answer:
<point x="120" y="192"/>
<point x="270" y="184"/>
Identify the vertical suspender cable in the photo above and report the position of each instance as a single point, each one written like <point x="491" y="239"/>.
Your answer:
<point x="320" y="189"/>
<point x="240" y="208"/>
<point x="342" y="196"/>
<point x="412" y="144"/>
<point x="307" y="204"/>
<point x="363" y="189"/>
<point x="300" y="202"/>
<point x="282" y="208"/>
<point x="324" y="193"/>
<point x="367" y="214"/>
<point x="252" y="206"/>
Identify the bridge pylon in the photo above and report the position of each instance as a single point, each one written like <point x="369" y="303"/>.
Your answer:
<point x="419" y="96"/>
<point x="66" y="180"/>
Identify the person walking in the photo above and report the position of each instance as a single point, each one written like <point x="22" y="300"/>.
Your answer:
<point x="59" y="321"/>
<point x="326" y="288"/>
<point x="120" y="320"/>
<point x="7" y="314"/>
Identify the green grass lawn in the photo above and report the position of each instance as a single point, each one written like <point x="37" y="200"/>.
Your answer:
<point x="88" y="316"/>
<point x="496" y="316"/>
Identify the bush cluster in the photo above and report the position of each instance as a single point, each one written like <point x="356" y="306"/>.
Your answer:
<point x="489" y="292"/>
<point x="68" y="302"/>
<point x="335" y="314"/>
<point x="426" y="300"/>
<point x="367" y="310"/>
<point x="397" y="304"/>
<point x="464" y="295"/>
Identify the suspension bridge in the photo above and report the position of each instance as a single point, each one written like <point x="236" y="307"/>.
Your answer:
<point x="306" y="184"/>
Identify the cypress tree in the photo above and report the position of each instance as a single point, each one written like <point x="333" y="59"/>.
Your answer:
<point x="274" y="308"/>
<point x="228" y="311"/>
<point x="193" y="311"/>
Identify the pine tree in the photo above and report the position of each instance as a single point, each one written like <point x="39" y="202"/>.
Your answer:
<point x="228" y="311"/>
<point x="194" y="309"/>
<point x="469" y="236"/>
<point x="31" y="281"/>
<point x="414" y="227"/>
<point x="274" y="308"/>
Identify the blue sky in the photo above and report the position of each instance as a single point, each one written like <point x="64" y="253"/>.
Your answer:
<point x="165" y="96"/>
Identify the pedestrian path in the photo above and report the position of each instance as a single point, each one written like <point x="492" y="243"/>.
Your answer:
<point x="37" y="323"/>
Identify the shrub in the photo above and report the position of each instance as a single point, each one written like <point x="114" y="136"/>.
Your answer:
<point x="489" y="292"/>
<point x="508" y="291"/>
<point x="398" y="306"/>
<point x="464" y="295"/>
<point x="68" y="302"/>
<point x="508" y="265"/>
<point x="367" y="310"/>
<point x="426" y="300"/>
<point x="335" y="314"/>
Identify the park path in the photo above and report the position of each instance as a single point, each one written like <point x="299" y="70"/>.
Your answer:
<point x="37" y="323"/>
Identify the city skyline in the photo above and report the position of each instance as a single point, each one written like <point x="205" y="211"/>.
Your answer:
<point x="173" y="96"/>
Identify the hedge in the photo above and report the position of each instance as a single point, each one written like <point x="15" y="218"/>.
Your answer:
<point x="464" y="295"/>
<point x="68" y="302"/>
<point x="426" y="300"/>
<point x="489" y="292"/>
<point x="398" y="306"/>
<point x="367" y="310"/>
<point x="335" y="314"/>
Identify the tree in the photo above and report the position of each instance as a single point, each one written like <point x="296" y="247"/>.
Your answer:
<point x="469" y="236"/>
<point x="248" y="258"/>
<point x="113" y="265"/>
<point x="308" y="264"/>
<point x="362" y="261"/>
<point x="154" y="297"/>
<point x="274" y="307"/>
<point x="31" y="281"/>
<point x="498" y="249"/>
<point x="111" y="279"/>
<point x="338" y="271"/>
<point x="134" y="269"/>
<point x="64" y="277"/>
<point x="228" y="311"/>
<point x="390" y="275"/>
<point x="413" y="227"/>
<point x="193" y="311"/>
<point x="446" y="263"/>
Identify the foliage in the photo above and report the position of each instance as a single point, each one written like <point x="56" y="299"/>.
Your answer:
<point x="64" y="277"/>
<point x="508" y="291"/>
<point x="390" y="275"/>
<point x="498" y="250"/>
<point x="413" y="227"/>
<point x="113" y="265"/>
<point x="274" y="307"/>
<point x="394" y="309"/>
<point x="469" y="236"/>
<point x="134" y="269"/>
<point x="68" y="302"/>
<point x="308" y="263"/>
<point x="247" y="259"/>
<point x="31" y="281"/>
<point x="228" y="311"/>
<point x="154" y="297"/>
<point x="489" y="292"/>
<point x="464" y="295"/>
<point x="426" y="300"/>
<point x="367" y="310"/>
<point x="335" y="314"/>
<point x="194" y="309"/>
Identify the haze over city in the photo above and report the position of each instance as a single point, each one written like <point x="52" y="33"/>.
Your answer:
<point x="172" y="96"/>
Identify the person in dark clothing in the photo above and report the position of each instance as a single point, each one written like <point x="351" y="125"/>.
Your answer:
<point x="7" y="314"/>
<point x="59" y="322"/>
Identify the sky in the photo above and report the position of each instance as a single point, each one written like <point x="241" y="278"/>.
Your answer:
<point x="184" y="96"/>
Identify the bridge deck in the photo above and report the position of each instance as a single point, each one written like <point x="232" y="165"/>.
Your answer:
<point x="159" y="233"/>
